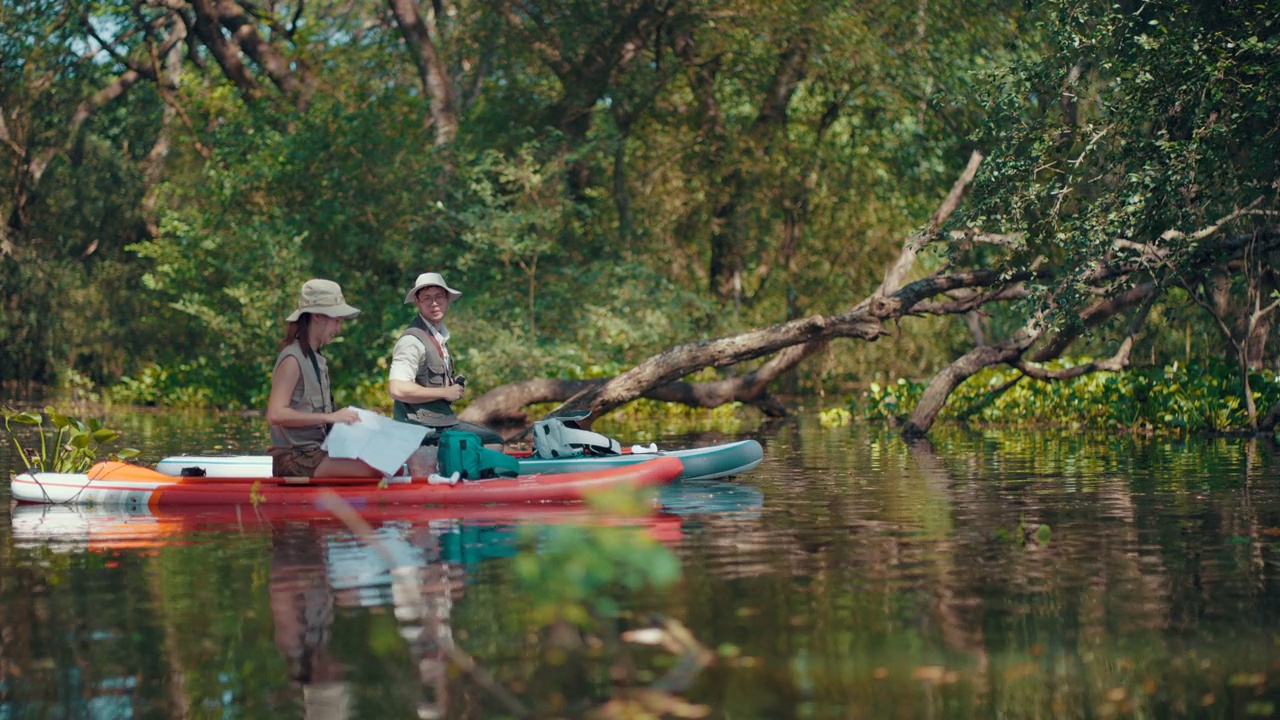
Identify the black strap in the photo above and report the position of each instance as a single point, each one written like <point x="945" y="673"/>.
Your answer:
<point x="316" y="364"/>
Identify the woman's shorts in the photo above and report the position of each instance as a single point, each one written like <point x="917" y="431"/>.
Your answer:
<point x="297" y="463"/>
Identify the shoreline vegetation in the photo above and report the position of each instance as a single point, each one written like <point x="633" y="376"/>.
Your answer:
<point x="1175" y="398"/>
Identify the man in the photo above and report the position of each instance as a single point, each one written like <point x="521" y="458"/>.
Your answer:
<point x="422" y="381"/>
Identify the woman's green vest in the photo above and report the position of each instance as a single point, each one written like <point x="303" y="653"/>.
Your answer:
<point x="310" y="395"/>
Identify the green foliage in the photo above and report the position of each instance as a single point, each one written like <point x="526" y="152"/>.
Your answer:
<point x="516" y="206"/>
<point x="177" y="387"/>
<point x="646" y="416"/>
<point x="578" y="573"/>
<point x="1142" y="123"/>
<point x="1201" y="398"/>
<point x="67" y="444"/>
<point x="1025" y="533"/>
<point x="578" y="207"/>
<point x="597" y="205"/>
<point x="890" y="401"/>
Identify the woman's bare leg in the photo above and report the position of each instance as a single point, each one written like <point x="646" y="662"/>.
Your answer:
<point x="344" y="467"/>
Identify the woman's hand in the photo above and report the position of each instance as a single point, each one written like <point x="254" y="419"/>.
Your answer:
<point x="345" y="415"/>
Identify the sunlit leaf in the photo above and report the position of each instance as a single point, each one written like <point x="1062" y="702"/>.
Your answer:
<point x="103" y="435"/>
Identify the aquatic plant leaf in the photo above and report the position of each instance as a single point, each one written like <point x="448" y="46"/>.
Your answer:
<point x="1043" y="533"/>
<point x="103" y="435"/>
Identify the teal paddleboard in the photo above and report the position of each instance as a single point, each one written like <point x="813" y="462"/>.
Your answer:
<point x="700" y="463"/>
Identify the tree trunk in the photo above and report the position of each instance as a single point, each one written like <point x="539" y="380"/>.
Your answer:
<point x="729" y="226"/>
<point x="505" y="405"/>
<point x="153" y="165"/>
<point x="436" y="83"/>
<point x="941" y="386"/>
<point x="31" y="170"/>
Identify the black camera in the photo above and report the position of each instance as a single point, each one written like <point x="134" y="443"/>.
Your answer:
<point x="460" y="380"/>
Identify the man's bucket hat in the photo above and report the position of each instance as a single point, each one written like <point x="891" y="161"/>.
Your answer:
<point x="427" y="280"/>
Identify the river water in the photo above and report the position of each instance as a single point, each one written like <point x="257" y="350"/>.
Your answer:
<point x="992" y="573"/>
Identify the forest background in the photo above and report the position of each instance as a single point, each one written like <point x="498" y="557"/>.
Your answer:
<point x="1056" y="188"/>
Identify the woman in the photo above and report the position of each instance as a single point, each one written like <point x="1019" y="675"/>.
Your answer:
<point x="300" y="408"/>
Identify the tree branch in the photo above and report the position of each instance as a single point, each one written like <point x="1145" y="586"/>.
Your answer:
<point x="1093" y="316"/>
<point x="1205" y="232"/>
<point x="208" y="28"/>
<point x="6" y="138"/>
<point x="295" y="85"/>
<point x="83" y="112"/>
<point x="946" y="381"/>
<point x="961" y="306"/>
<point x="897" y="272"/>
<point x="1115" y="363"/>
<point x="543" y="43"/>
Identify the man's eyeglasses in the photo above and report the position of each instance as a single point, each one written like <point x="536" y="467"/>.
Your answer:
<point x="437" y="299"/>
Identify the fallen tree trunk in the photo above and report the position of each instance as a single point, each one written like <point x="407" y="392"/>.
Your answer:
<point x="793" y="341"/>
<point x="506" y="404"/>
<point x="865" y="321"/>
<point x="945" y="382"/>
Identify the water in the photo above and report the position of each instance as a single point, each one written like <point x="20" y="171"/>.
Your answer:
<point x="982" y="574"/>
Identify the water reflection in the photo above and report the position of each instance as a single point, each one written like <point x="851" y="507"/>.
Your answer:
<point x="999" y="574"/>
<point x="315" y="571"/>
<point x="302" y="602"/>
<point x="711" y="497"/>
<point x="981" y="574"/>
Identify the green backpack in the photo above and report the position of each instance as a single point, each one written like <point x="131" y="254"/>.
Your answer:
<point x="463" y="452"/>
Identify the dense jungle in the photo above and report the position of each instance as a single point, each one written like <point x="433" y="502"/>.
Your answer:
<point x="1036" y="238"/>
<point x="1050" y="210"/>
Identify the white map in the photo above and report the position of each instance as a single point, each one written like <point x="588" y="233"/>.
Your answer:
<point x="382" y="443"/>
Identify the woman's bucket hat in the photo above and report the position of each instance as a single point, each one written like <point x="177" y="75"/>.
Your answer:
<point x="322" y="297"/>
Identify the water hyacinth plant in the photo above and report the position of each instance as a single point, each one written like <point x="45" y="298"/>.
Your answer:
<point x="1174" y="398"/>
<point x="62" y="443"/>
